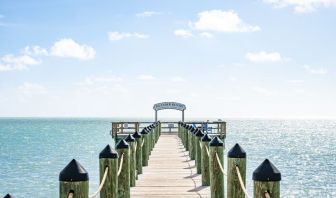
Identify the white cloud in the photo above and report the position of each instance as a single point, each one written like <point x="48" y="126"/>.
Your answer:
<point x="206" y="35"/>
<point x="116" y="36"/>
<point x="183" y="33"/>
<point x="315" y="70"/>
<point x="32" y="88"/>
<point x="222" y="21"/>
<point x="302" y="6"/>
<point x="34" y="50"/>
<point x="178" y="79"/>
<point x="68" y="48"/>
<point x="10" y="62"/>
<point x="146" y="77"/>
<point x="258" y="57"/>
<point x="147" y="14"/>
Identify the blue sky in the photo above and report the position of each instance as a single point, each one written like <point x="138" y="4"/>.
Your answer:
<point x="260" y="59"/>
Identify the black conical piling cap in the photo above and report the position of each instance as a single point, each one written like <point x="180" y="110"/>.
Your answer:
<point x="122" y="144"/>
<point x="130" y="138"/>
<point x="192" y="130"/>
<point x="8" y="196"/>
<point x="266" y="171"/>
<point x="206" y="138"/>
<point x="136" y="135"/>
<point x="216" y="142"/>
<point x="199" y="133"/>
<point x="108" y="152"/>
<point x="144" y="131"/>
<point x="74" y="172"/>
<point x="237" y="152"/>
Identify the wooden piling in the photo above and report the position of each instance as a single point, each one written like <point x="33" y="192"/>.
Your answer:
<point x="236" y="158"/>
<point x="198" y="157"/>
<point x="192" y="136"/>
<point x="108" y="158"/>
<point x="124" y="176"/>
<point x="144" y="143"/>
<point x="159" y="127"/>
<point x="138" y="154"/>
<point x="74" y="179"/>
<point x="216" y="174"/>
<point x="205" y="160"/>
<point x="266" y="179"/>
<point x="132" y="145"/>
<point x="187" y="138"/>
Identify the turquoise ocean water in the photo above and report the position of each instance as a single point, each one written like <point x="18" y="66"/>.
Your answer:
<point x="33" y="151"/>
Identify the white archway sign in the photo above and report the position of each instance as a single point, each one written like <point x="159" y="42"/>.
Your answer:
<point x="169" y="105"/>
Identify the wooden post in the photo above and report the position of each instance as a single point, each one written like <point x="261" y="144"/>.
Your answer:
<point x="8" y="196"/>
<point x="153" y="136"/>
<point x="187" y="139"/>
<point x="159" y="128"/>
<point x="156" y="132"/>
<point x="183" y="135"/>
<point x="236" y="158"/>
<point x="132" y="145"/>
<point x="144" y="143"/>
<point x="198" y="157"/>
<point x="74" y="179"/>
<point x="266" y="179"/>
<point x="192" y="143"/>
<point x="216" y="174"/>
<point x="205" y="160"/>
<point x="138" y="154"/>
<point x="108" y="158"/>
<point x="124" y="177"/>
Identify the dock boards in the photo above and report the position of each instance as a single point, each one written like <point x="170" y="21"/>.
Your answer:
<point x="170" y="173"/>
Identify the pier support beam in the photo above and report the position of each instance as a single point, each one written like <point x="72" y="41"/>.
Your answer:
<point x="266" y="180"/>
<point x="236" y="159"/>
<point x="108" y="158"/>
<point x="216" y="174"/>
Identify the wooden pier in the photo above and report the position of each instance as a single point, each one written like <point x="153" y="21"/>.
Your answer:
<point x="170" y="172"/>
<point x="170" y="159"/>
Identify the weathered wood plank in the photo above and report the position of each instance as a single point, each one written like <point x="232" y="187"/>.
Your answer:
<point x="170" y="173"/>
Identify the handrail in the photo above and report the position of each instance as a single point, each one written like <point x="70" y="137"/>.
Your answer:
<point x="101" y="184"/>
<point x="241" y="182"/>
<point x="121" y="163"/>
<point x="267" y="195"/>
<point x="220" y="165"/>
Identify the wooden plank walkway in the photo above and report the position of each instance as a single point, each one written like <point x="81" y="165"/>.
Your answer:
<point x="170" y="173"/>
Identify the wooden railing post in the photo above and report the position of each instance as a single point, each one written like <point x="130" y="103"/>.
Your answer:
<point x="192" y="136"/>
<point x="236" y="158"/>
<point x="198" y="135"/>
<point x="124" y="176"/>
<point x="132" y="149"/>
<point x="205" y="160"/>
<point x="144" y="143"/>
<point x="74" y="179"/>
<point x="266" y="180"/>
<point x="108" y="158"/>
<point x="216" y="174"/>
<point x="138" y="154"/>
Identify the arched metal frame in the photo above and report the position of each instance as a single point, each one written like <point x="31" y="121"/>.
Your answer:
<point x="169" y="105"/>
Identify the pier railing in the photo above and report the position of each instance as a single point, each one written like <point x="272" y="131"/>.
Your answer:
<point x="120" y="166"/>
<point x="122" y="129"/>
<point x="208" y="154"/>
